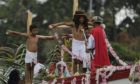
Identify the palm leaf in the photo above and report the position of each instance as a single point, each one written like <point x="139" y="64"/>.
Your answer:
<point x="6" y="63"/>
<point x="7" y="49"/>
<point x="19" y="48"/>
<point x="3" y="79"/>
<point x="6" y="54"/>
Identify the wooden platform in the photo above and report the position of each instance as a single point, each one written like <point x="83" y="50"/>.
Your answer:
<point x="115" y="76"/>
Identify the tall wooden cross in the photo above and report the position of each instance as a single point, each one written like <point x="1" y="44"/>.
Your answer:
<point x="75" y="6"/>
<point x="28" y="72"/>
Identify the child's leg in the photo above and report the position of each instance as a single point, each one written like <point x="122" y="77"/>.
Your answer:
<point x="32" y="73"/>
<point x="83" y="66"/>
<point x="27" y="73"/>
<point x="75" y="66"/>
<point x="84" y="70"/>
<point x="80" y="66"/>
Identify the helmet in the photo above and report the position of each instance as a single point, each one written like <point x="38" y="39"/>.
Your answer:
<point x="97" y="19"/>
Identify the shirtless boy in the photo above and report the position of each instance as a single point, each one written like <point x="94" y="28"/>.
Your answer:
<point x="31" y="53"/>
<point x="80" y="22"/>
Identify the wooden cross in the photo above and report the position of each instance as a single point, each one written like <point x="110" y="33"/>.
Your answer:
<point x="28" y="72"/>
<point x="75" y="8"/>
<point x="29" y="22"/>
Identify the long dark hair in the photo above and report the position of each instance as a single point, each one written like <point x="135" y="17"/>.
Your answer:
<point x="14" y="77"/>
<point x="76" y="18"/>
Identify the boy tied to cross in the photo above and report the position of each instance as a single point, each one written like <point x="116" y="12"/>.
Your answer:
<point x="80" y="23"/>
<point x="31" y="53"/>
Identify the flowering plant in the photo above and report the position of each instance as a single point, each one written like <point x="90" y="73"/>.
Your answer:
<point x="43" y="76"/>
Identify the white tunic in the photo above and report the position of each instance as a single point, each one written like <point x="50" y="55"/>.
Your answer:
<point x="91" y="44"/>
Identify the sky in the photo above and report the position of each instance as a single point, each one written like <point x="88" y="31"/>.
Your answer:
<point x="41" y="1"/>
<point x="123" y="13"/>
<point x="2" y="3"/>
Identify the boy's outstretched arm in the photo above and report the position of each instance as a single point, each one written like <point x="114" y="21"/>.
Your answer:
<point x="67" y="36"/>
<point x="62" y="23"/>
<point x="46" y="37"/>
<point x="16" y="33"/>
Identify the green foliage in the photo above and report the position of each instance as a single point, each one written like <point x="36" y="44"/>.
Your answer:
<point x="3" y="79"/>
<point x="54" y="55"/>
<point x="42" y="75"/>
<point x="124" y="53"/>
<point x="13" y="60"/>
<point x="67" y="56"/>
<point x="10" y="60"/>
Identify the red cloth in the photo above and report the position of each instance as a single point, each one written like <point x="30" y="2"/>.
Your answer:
<point x="68" y="67"/>
<point x="101" y="57"/>
<point x="52" y="68"/>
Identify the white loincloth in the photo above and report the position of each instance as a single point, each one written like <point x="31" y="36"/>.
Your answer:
<point x="78" y="48"/>
<point x="30" y="57"/>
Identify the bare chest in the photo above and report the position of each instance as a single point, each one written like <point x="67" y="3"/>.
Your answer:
<point x="78" y="33"/>
<point x="32" y="40"/>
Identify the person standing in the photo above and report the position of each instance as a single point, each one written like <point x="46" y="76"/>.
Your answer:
<point x="98" y="45"/>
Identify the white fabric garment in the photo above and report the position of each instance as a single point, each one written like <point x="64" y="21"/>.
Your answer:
<point x="79" y="49"/>
<point x="37" y="67"/>
<point x="66" y="72"/>
<point x="30" y="57"/>
<point x="91" y="44"/>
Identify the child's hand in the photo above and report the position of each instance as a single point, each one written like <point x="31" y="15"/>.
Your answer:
<point x="65" y="36"/>
<point x="52" y="26"/>
<point x="87" y="50"/>
<point x="82" y="30"/>
<point x="8" y="32"/>
<point x="103" y="26"/>
<point x="86" y="42"/>
<point x="54" y="37"/>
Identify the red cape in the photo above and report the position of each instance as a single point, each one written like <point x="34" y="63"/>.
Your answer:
<point x="101" y="57"/>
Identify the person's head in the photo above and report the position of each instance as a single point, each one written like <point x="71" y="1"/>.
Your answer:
<point x="97" y="20"/>
<point x="80" y="18"/>
<point x="33" y="30"/>
<point x="59" y="67"/>
<point x="14" y="77"/>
